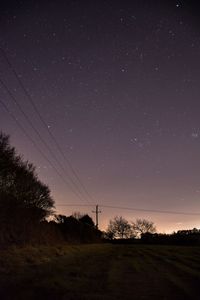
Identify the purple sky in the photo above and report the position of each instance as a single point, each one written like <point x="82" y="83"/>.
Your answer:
<point x="117" y="83"/>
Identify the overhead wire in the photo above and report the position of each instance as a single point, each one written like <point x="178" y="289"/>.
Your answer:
<point x="138" y="209"/>
<point x="152" y="210"/>
<point x="39" y="135"/>
<point x="29" y="97"/>
<point x="35" y="144"/>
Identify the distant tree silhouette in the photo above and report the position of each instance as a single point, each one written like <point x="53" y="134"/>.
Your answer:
<point x="181" y="237"/>
<point x="74" y="230"/>
<point x="86" y="219"/>
<point x="143" y="226"/>
<point x="108" y="235"/>
<point x="119" y="228"/>
<point x="24" y="199"/>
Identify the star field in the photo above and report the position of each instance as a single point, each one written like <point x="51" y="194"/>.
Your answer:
<point x="117" y="83"/>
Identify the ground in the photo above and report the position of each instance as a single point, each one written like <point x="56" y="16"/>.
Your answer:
<point x="102" y="271"/>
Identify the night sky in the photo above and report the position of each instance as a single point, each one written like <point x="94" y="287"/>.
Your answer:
<point x="117" y="83"/>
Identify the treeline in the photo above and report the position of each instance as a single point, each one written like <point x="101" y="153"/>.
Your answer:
<point x="71" y="230"/>
<point x="142" y="231"/>
<point x="181" y="237"/>
<point x="77" y="229"/>
<point x="26" y="203"/>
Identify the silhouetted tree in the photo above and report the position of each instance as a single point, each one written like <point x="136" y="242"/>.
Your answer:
<point x="119" y="228"/>
<point x="87" y="220"/>
<point x="84" y="218"/>
<point x="108" y="235"/>
<point x="181" y="237"/>
<point x="74" y="230"/>
<point x="143" y="226"/>
<point x="24" y="199"/>
<point x="60" y="219"/>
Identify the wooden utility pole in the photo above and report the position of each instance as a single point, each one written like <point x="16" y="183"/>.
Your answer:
<point x="97" y="211"/>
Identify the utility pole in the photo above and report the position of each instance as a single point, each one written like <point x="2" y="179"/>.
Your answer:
<point x="97" y="211"/>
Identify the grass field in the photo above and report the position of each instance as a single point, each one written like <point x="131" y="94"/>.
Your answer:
<point x="102" y="271"/>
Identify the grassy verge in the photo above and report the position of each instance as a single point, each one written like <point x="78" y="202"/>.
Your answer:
<point x="100" y="272"/>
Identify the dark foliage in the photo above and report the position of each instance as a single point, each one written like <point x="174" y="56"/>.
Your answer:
<point x="24" y="200"/>
<point x="181" y="237"/>
<point x="119" y="228"/>
<point x="142" y="226"/>
<point x="87" y="220"/>
<point x="74" y="230"/>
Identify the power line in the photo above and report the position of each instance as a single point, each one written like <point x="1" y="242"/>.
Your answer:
<point x="153" y="210"/>
<point x="40" y="137"/>
<point x="38" y="149"/>
<point x="96" y="211"/>
<point x="140" y="209"/>
<point x="75" y="205"/>
<point x="34" y="144"/>
<point x="45" y="124"/>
